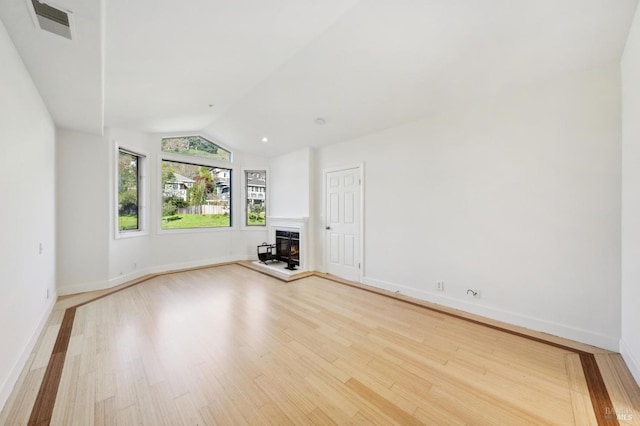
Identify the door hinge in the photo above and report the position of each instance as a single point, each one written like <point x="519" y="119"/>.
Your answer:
<point x="358" y="266"/>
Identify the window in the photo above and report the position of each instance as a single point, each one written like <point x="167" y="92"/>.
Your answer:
<point x="195" y="146"/>
<point x="195" y="193"/>
<point x="195" y="196"/>
<point x="128" y="191"/>
<point x="256" y="190"/>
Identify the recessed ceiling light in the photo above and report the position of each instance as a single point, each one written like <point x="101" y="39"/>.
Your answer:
<point x="265" y="140"/>
<point x="320" y="121"/>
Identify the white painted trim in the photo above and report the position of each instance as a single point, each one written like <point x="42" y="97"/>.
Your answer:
<point x="360" y="167"/>
<point x="195" y="160"/>
<point x="121" y="279"/>
<point x="66" y="290"/>
<point x="632" y="363"/>
<point x="513" y="318"/>
<point x="198" y="264"/>
<point x="20" y="364"/>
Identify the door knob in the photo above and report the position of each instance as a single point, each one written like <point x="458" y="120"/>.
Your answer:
<point x="327" y="227"/>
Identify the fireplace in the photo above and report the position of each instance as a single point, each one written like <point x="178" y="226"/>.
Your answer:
<point x="288" y="236"/>
<point x="288" y="248"/>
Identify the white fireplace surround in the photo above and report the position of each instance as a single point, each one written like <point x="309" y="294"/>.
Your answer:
<point x="294" y="224"/>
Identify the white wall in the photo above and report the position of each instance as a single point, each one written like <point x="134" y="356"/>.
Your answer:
<point x="630" y="342"/>
<point x="83" y="211"/>
<point x="27" y="215"/>
<point x="518" y="196"/>
<point x="290" y="183"/>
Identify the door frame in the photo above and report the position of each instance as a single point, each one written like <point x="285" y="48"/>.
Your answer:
<point x="325" y="172"/>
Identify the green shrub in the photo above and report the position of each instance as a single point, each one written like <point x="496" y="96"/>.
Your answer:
<point x="168" y="208"/>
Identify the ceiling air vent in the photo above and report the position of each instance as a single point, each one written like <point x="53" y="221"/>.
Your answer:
<point x="51" y="19"/>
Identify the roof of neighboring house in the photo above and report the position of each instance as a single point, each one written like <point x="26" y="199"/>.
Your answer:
<point x="181" y="179"/>
<point x="251" y="181"/>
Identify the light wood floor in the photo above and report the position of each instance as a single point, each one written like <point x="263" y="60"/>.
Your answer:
<point x="226" y="345"/>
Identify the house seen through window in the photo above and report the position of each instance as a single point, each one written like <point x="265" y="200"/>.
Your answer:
<point x="195" y="196"/>
<point x="256" y="191"/>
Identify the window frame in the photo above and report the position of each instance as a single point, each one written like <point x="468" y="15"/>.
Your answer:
<point x="245" y="186"/>
<point x="142" y="194"/>
<point x="200" y="162"/>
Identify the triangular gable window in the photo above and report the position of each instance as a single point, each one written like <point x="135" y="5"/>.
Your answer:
<point x="196" y="146"/>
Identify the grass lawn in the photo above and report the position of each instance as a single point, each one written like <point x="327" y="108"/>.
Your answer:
<point x="256" y="219"/>
<point x="126" y="223"/>
<point x="187" y="221"/>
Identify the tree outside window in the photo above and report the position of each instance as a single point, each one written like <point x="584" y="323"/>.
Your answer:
<point x="128" y="191"/>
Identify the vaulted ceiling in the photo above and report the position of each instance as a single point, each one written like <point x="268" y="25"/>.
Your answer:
<point x="242" y="70"/>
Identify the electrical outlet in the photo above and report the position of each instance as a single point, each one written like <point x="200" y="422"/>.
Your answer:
<point x="440" y="286"/>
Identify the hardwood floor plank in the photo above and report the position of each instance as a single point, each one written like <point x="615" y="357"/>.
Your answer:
<point x="284" y="402"/>
<point x="20" y="404"/>
<point x="320" y="362"/>
<point x="600" y="399"/>
<point x="62" y="412"/>
<point x="125" y="387"/>
<point x="84" y="403"/>
<point x="104" y="412"/>
<point x="318" y="417"/>
<point x="275" y="416"/>
<point x="580" y="400"/>
<point x="189" y="413"/>
<point x="333" y="404"/>
<point x="45" y="347"/>
<point x="385" y="406"/>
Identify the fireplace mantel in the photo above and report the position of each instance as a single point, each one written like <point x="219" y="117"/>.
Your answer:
<point x="296" y="224"/>
<point x="295" y="221"/>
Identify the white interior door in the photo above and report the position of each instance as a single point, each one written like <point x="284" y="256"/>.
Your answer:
<point x="343" y="223"/>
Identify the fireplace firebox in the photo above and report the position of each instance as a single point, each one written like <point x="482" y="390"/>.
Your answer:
<point x="288" y="248"/>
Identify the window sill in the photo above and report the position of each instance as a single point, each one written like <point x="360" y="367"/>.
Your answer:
<point x="194" y="230"/>
<point x="130" y="234"/>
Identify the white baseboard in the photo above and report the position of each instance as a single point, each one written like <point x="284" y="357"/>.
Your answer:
<point x="197" y="264"/>
<point x="532" y="323"/>
<point x="16" y="370"/>
<point x="159" y="269"/>
<point x="65" y="290"/>
<point x="630" y="359"/>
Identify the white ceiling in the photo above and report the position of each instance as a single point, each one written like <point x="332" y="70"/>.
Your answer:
<point x="68" y="73"/>
<point x="270" y="68"/>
